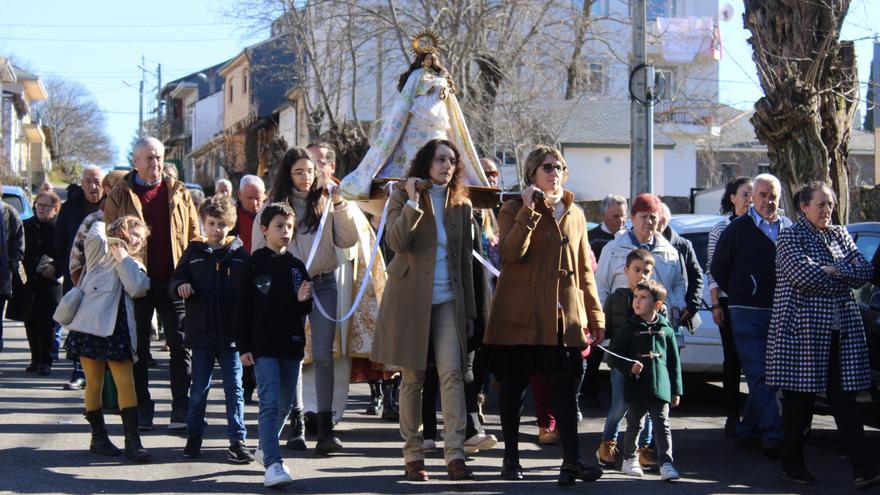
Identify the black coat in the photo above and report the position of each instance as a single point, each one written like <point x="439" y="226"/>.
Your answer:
<point x="72" y="213"/>
<point x="40" y="241"/>
<point x="269" y="320"/>
<point x="215" y="276"/>
<point x="14" y="247"/>
<point x="598" y="238"/>
<point x="694" y="295"/>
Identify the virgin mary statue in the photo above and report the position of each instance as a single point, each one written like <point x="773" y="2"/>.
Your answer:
<point x="427" y="109"/>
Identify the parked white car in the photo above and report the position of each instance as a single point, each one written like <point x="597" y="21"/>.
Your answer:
<point x="703" y="352"/>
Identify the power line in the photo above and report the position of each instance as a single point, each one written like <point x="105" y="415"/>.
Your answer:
<point x="117" y="26"/>
<point x="81" y="40"/>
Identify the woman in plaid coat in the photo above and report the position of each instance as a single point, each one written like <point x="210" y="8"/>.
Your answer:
<point x="817" y="341"/>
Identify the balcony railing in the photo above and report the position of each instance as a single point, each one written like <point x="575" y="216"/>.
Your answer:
<point x="689" y="112"/>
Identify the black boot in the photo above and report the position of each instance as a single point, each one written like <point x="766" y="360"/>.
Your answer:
<point x="297" y="438"/>
<point x="375" y="407"/>
<point x="146" y="411"/>
<point x="390" y="393"/>
<point x="327" y="443"/>
<point x="100" y="444"/>
<point x="133" y="448"/>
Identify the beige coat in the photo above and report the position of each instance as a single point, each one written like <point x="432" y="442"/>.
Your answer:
<point x="545" y="273"/>
<point x="123" y="201"/>
<point x="101" y="285"/>
<point x="403" y="327"/>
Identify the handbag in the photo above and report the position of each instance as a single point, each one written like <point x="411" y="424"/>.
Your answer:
<point x="68" y="306"/>
<point x="19" y="306"/>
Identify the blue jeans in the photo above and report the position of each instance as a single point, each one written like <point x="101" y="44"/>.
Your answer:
<point x="760" y="418"/>
<point x="617" y="411"/>
<point x="276" y="384"/>
<point x="56" y="342"/>
<point x="202" y="373"/>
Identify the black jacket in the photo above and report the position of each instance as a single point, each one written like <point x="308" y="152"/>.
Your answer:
<point x="268" y="319"/>
<point x="40" y="241"/>
<point x="72" y="213"/>
<point x="215" y="276"/>
<point x="694" y="295"/>
<point x="744" y="264"/>
<point x="598" y="238"/>
<point x="14" y="247"/>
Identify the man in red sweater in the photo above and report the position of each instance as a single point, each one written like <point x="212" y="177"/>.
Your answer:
<point x="251" y="195"/>
<point x="165" y="204"/>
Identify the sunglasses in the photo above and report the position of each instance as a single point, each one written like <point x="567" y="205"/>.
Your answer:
<point x="558" y="167"/>
<point x="492" y="173"/>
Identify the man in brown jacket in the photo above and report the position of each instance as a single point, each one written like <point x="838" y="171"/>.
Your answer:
<point x="165" y="204"/>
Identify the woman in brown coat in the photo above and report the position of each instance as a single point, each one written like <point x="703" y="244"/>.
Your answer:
<point x="428" y="307"/>
<point x="545" y="303"/>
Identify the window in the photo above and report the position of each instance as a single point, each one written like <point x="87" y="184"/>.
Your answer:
<point x="669" y="81"/>
<point x="763" y="168"/>
<point x="231" y="92"/>
<point x="598" y="8"/>
<point x="244" y="81"/>
<point x="594" y="79"/>
<point x="866" y="244"/>
<point x="660" y="8"/>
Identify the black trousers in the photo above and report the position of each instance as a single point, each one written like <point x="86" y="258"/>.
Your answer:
<point x="797" y="415"/>
<point x="171" y="314"/>
<point x="731" y="370"/>
<point x="40" y="327"/>
<point x="564" y="386"/>
<point x="592" y="385"/>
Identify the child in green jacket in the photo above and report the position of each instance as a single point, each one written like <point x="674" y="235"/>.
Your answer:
<point x="653" y="376"/>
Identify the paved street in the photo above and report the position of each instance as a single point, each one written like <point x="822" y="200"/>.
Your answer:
<point x="44" y="449"/>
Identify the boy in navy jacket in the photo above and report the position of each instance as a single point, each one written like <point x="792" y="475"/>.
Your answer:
<point x="207" y="278"/>
<point x="274" y="297"/>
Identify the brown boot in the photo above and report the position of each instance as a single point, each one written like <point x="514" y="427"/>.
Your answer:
<point x="415" y="471"/>
<point x="607" y="453"/>
<point x="458" y="471"/>
<point x="647" y="458"/>
<point x="546" y="436"/>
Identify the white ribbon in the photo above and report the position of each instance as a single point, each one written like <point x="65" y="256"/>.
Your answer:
<point x="373" y="256"/>
<point x="618" y="356"/>
<point x="489" y="266"/>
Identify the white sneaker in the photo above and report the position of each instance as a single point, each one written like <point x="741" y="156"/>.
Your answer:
<point x="631" y="467"/>
<point x="277" y="476"/>
<point x="668" y="472"/>
<point x="258" y="455"/>
<point x="429" y="445"/>
<point x="478" y="442"/>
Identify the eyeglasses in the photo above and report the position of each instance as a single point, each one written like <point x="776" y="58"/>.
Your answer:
<point x="442" y="159"/>
<point x="492" y="173"/>
<point x="558" y="167"/>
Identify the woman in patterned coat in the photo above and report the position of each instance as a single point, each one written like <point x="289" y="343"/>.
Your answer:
<point x="817" y="341"/>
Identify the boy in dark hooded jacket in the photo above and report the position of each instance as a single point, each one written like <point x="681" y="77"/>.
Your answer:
<point x="207" y="278"/>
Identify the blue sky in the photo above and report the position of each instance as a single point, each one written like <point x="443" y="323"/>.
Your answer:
<point x="100" y="43"/>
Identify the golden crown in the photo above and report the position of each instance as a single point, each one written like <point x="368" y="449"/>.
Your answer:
<point x="426" y="41"/>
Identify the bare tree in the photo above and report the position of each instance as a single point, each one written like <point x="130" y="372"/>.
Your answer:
<point x="811" y="92"/>
<point x="77" y="126"/>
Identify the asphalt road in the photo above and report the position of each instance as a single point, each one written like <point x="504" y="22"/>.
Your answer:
<point x="44" y="449"/>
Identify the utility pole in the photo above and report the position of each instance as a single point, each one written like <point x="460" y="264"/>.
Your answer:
<point x="141" y="132"/>
<point x="141" y="110"/>
<point x="639" y="181"/>
<point x="159" y="101"/>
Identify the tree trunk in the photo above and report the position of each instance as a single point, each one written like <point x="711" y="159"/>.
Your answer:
<point x="810" y="85"/>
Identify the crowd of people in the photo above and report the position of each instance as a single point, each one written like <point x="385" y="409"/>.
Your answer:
<point x="265" y="285"/>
